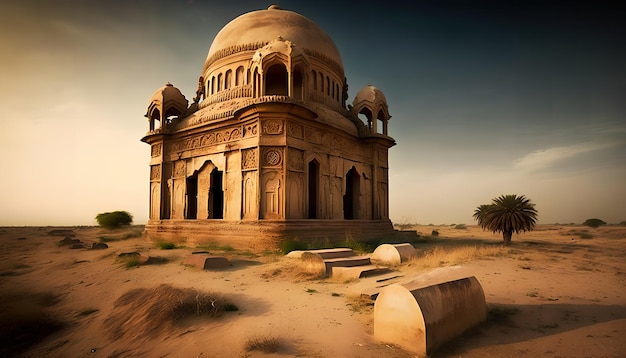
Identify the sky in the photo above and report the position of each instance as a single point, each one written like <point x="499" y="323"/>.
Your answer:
<point x="486" y="98"/>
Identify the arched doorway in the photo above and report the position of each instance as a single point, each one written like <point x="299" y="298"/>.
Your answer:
<point x="191" y="205"/>
<point x="352" y="195"/>
<point x="216" y="195"/>
<point x="313" y="186"/>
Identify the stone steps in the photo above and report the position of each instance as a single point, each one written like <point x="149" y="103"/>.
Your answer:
<point x="342" y="263"/>
<point x="345" y="262"/>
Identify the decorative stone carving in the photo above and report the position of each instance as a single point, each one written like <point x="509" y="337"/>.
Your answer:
<point x="273" y="126"/>
<point x="272" y="157"/>
<point x="295" y="130"/>
<point x="155" y="172"/>
<point x="250" y="131"/>
<point x="179" y="168"/>
<point x="156" y="150"/>
<point x="248" y="159"/>
<point x="271" y="196"/>
<point x="204" y="140"/>
<point x="233" y="50"/>
<point x="296" y="160"/>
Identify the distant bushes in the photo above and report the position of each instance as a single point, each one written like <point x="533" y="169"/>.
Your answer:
<point x="114" y="220"/>
<point x="594" y="223"/>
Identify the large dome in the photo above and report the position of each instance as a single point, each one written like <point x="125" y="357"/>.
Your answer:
<point x="258" y="28"/>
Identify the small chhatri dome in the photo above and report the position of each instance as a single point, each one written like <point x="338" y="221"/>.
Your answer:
<point x="166" y="104"/>
<point x="371" y="103"/>
<point x="369" y="94"/>
<point x="169" y="94"/>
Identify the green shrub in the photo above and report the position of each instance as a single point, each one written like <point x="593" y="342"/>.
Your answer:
<point x="165" y="245"/>
<point x="291" y="245"/>
<point x="594" y="222"/>
<point x="460" y="227"/>
<point x="114" y="220"/>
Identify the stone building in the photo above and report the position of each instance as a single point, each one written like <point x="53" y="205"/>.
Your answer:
<point x="267" y="149"/>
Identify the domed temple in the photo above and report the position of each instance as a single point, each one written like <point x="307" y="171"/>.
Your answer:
<point x="267" y="150"/>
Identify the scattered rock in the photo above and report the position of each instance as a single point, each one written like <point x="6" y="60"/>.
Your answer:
<point x="207" y="262"/>
<point x="69" y="241"/>
<point x="21" y="238"/>
<point x="99" y="246"/>
<point x="77" y="246"/>
<point x="126" y="254"/>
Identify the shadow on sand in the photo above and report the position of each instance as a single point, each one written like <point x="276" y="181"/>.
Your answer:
<point x="507" y="324"/>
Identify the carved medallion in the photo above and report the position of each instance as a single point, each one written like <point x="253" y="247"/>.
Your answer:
<point x="272" y="126"/>
<point x="272" y="157"/>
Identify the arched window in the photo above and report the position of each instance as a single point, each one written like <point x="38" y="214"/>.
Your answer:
<point x="327" y="86"/>
<point x="321" y="82"/>
<point x="213" y="85"/>
<point x="381" y="123"/>
<point x="255" y="84"/>
<point x="155" y="119"/>
<point x="171" y="114"/>
<point x="337" y="92"/>
<point x="227" y="79"/>
<point x="366" y="116"/>
<point x="276" y="80"/>
<point x="239" y="76"/>
<point x="314" y="77"/>
<point x="219" y="82"/>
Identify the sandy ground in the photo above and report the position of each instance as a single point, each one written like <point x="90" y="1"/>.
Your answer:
<point x="553" y="293"/>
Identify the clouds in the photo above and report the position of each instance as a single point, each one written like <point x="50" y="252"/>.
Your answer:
<point x="545" y="159"/>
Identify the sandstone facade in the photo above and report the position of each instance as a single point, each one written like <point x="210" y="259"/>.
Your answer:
<point x="268" y="150"/>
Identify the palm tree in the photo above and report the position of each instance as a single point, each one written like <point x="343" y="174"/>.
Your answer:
<point x="506" y="214"/>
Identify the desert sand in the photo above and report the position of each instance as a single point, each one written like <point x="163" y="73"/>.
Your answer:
<point x="559" y="291"/>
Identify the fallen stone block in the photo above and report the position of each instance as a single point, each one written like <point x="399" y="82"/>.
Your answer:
<point x="323" y="253"/>
<point x="393" y="254"/>
<point x="207" y="261"/>
<point x="422" y="319"/>
<point x="354" y="272"/>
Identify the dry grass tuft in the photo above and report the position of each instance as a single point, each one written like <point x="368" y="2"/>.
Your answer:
<point x="265" y="344"/>
<point x="150" y="311"/>
<point x="447" y="256"/>
<point x="360" y="304"/>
